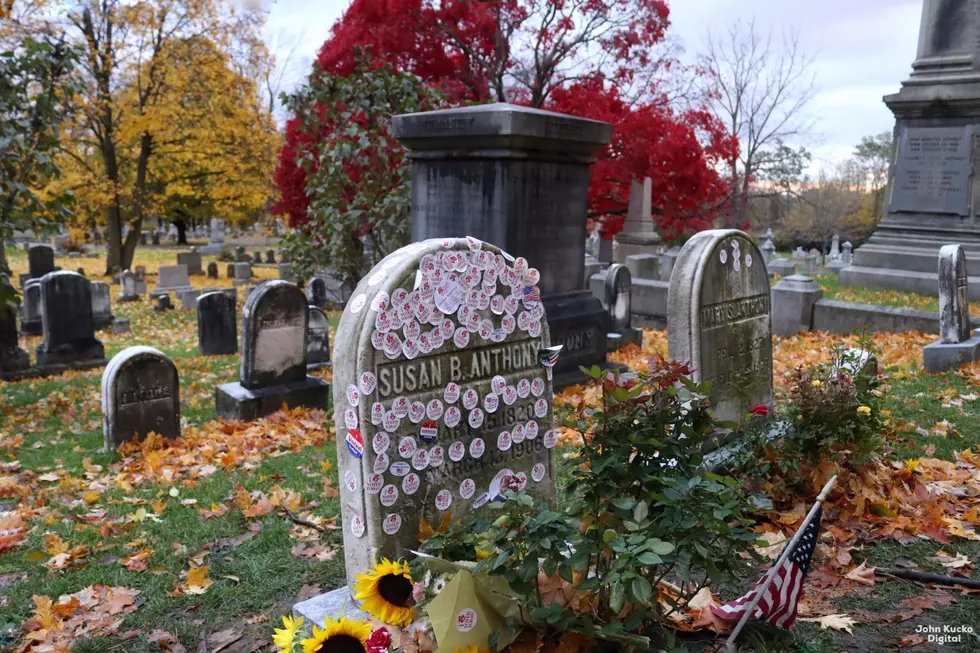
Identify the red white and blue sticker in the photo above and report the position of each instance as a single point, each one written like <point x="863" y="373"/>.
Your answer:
<point x="429" y="431"/>
<point x="355" y="443"/>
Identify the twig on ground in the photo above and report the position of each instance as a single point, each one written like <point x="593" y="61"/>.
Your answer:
<point x="926" y="577"/>
<point x="302" y="522"/>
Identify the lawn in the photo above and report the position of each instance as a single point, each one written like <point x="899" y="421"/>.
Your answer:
<point x="206" y="530"/>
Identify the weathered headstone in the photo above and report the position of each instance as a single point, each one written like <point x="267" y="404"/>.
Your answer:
<point x="155" y="237"/>
<point x="273" y="363"/>
<point x="718" y="319"/>
<point x="217" y="324"/>
<point x="518" y="178"/>
<point x="13" y="359"/>
<point x="66" y="319"/>
<point x="230" y="271"/>
<point x="188" y="299"/>
<point x="101" y="305"/>
<point x="192" y="260"/>
<point x="617" y="289"/>
<point x="243" y="274"/>
<point x="240" y="255"/>
<point x="644" y="266"/>
<point x="40" y="260"/>
<point x="768" y="251"/>
<point x="846" y="255"/>
<point x="140" y="272"/>
<point x="270" y="256"/>
<point x="286" y="272"/>
<point x="957" y="343"/>
<point x="140" y="395"/>
<point x="667" y="260"/>
<point x="316" y="290"/>
<point x="439" y="418"/>
<point x="835" y="248"/>
<point x="317" y="339"/>
<point x="212" y="270"/>
<point x="172" y="277"/>
<point x="217" y="232"/>
<point x="30" y="323"/>
<point x="163" y="303"/>
<point x="793" y="299"/>
<point x="257" y="257"/>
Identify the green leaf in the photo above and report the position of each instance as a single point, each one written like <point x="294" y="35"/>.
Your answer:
<point x="609" y="535"/>
<point x="649" y="558"/>
<point x="641" y="511"/>
<point x="642" y="589"/>
<point x="660" y="547"/>
<point x="617" y="597"/>
<point x="626" y="503"/>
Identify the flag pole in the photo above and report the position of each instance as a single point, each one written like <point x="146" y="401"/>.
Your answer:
<point x="771" y="574"/>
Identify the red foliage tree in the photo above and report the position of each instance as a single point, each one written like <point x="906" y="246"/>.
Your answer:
<point x="599" y="59"/>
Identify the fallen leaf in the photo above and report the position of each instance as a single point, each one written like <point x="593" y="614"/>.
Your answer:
<point x="839" y="622"/>
<point x="862" y="574"/>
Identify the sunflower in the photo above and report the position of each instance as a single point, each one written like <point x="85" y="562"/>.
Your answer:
<point x="284" y="637"/>
<point x="385" y="592"/>
<point x="338" y="636"/>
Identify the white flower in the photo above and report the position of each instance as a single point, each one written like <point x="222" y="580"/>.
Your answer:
<point x="672" y="462"/>
<point x="439" y="585"/>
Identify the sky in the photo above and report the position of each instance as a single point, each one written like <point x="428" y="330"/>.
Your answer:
<point x="862" y="50"/>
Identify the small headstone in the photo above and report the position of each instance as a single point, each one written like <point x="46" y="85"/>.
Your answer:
<point x="957" y="342"/>
<point x="270" y="256"/>
<point x="120" y="325"/>
<point x="140" y="271"/>
<point x="835" y="248"/>
<point x="230" y="271"/>
<point x="163" y="303"/>
<point x="667" y="260"/>
<point x="13" y="359"/>
<point x="217" y="232"/>
<point x="212" y="270"/>
<point x="40" y="260"/>
<point x="243" y="274"/>
<point x="317" y="339"/>
<point x="435" y="421"/>
<point x="155" y="237"/>
<point x="257" y="257"/>
<point x="846" y="255"/>
<point x="66" y="319"/>
<point x="192" y="260"/>
<point x="644" y="266"/>
<point x="144" y="238"/>
<point x="74" y="255"/>
<point x="172" y="277"/>
<point x="718" y="319"/>
<point x="286" y="272"/>
<point x="217" y="324"/>
<point x="605" y="250"/>
<point x="101" y="305"/>
<point x="30" y="323"/>
<point x="188" y="299"/>
<point x="140" y="395"/>
<point x="273" y="363"/>
<point x="768" y="251"/>
<point x="240" y="255"/>
<point x="810" y="263"/>
<point x="317" y="292"/>
<point x="799" y="254"/>
<point x="617" y="299"/>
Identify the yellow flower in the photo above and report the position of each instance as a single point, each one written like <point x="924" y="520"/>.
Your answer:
<point x="817" y="383"/>
<point x="864" y="410"/>
<point x="482" y="554"/>
<point x="284" y="636"/>
<point x="385" y="592"/>
<point x="343" y="636"/>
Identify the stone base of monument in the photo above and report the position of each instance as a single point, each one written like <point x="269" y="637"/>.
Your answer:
<point x="941" y="356"/>
<point x="579" y="323"/>
<point x="100" y="322"/>
<point x="336" y="603"/>
<point x="834" y="267"/>
<point x="781" y="267"/>
<point x="631" y="244"/>
<point x="617" y="340"/>
<point x="77" y="355"/>
<point x="920" y="283"/>
<point x="234" y="401"/>
<point x="13" y="361"/>
<point x="128" y="298"/>
<point x="120" y="325"/>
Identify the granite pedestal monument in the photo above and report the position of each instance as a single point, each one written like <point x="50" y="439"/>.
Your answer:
<point x="518" y="178"/>
<point x="638" y="235"/>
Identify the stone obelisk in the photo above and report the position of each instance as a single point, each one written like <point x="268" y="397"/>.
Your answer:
<point x="933" y="195"/>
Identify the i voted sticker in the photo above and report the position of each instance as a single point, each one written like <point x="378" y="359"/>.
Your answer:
<point x="520" y="432"/>
<point x="504" y="441"/>
<point x="373" y="483"/>
<point x="434" y="409"/>
<point x="378" y="340"/>
<point x="540" y="408"/>
<point x="411" y="348"/>
<point x="448" y="296"/>
<point x="550" y="439"/>
<point x="407" y="447"/>
<point x="412" y="329"/>
<point x="381" y="463"/>
<point x="470" y="398"/>
<point x="420" y="460"/>
<point x="410" y="484"/>
<point x="537" y="387"/>
<point x="355" y="443"/>
<point x="357" y="526"/>
<point x="416" y="412"/>
<point x="523" y="388"/>
<point x="400" y="406"/>
<point x="531" y="430"/>
<point x="477" y="447"/>
<point x="467" y="488"/>
<point x="451" y="393"/>
<point x="447" y="327"/>
<point x="456" y="451"/>
<point x="429" y="431"/>
<point x="377" y="413"/>
<point x="357" y="303"/>
<point x="380" y="442"/>
<point x="391" y="524"/>
<point x="350" y="418"/>
<point x="510" y="395"/>
<point x="461" y="338"/>
<point x="400" y="468"/>
<point x="497" y="384"/>
<point x="353" y="395"/>
<point x="350" y="481"/>
<point x="391" y="421"/>
<point x="380" y="301"/>
<point x="444" y="499"/>
<point x="537" y="472"/>
<point x="367" y="383"/>
<point x="476" y="418"/>
<point x="490" y="403"/>
<point x="436" y="457"/>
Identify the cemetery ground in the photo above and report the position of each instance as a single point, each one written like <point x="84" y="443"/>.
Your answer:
<point x="214" y="537"/>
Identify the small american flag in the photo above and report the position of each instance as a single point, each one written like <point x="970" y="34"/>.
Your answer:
<point x="532" y="294"/>
<point x="779" y="604"/>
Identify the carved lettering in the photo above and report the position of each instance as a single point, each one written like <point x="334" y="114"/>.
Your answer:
<point x="737" y="309"/>
<point x="150" y="393"/>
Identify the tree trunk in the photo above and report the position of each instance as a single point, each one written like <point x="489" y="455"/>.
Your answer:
<point x="113" y="239"/>
<point x="129" y="247"/>
<point x="181" y="231"/>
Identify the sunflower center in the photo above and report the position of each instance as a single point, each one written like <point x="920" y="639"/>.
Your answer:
<point x="341" y="644"/>
<point x="396" y="590"/>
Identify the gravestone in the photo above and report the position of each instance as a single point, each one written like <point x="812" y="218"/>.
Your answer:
<point x="846" y="255"/>
<point x="101" y="305"/>
<point x="240" y="255"/>
<point x="66" y="319"/>
<point x="163" y="303"/>
<point x="317" y="292"/>
<point x="270" y="256"/>
<point x="192" y="260"/>
<point x="605" y="254"/>
<point x="718" y="319"/>
<point x="518" y="178"/>
<point x="30" y="323"/>
<point x="317" y="339"/>
<point x="140" y="394"/>
<point x="144" y="238"/>
<point x="638" y="235"/>
<point x="212" y="270"/>
<point x="243" y="274"/>
<point x="230" y="271"/>
<point x="188" y="299"/>
<point x="799" y="254"/>
<point x="172" y="277"/>
<point x="40" y="260"/>
<point x="275" y="319"/>
<point x="23" y="278"/>
<point x="155" y="237"/>
<point x="667" y="260"/>
<point x="644" y="266"/>
<point x="257" y="257"/>
<point x="286" y="272"/>
<point x="140" y="271"/>
<point x="13" y="359"/>
<point x="81" y="271"/>
<point x="217" y="324"/>
<point x="439" y="394"/>
<point x="957" y="343"/>
<point x="617" y="291"/>
<point x="217" y="232"/>
<point x="835" y="248"/>
<point x="768" y="251"/>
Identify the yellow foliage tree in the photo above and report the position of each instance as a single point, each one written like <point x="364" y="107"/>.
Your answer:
<point x="166" y="121"/>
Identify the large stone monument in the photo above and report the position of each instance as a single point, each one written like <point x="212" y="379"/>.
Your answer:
<point x="957" y="343"/>
<point x="638" y="235"/>
<point x="273" y="364"/>
<point x="718" y="319"/>
<point x="518" y="178"/>
<point x="66" y="321"/>
<point x="140" y="394"/>
<point x="440" y="397"/>
<point x="933" y="196"/>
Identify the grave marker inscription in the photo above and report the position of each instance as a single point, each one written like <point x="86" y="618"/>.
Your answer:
<point x="140" y="394"/>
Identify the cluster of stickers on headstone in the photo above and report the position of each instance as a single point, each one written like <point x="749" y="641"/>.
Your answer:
<point x="457" y="296"/>
<point x="735" y="256"/>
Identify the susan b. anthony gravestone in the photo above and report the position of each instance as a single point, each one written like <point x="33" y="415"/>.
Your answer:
<point x="66" y="321"/>
<point x="140" y="394"/>
<point x="718" y="319"/>
<point x="440" y="397"/>
<point x="273" y="363"/>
